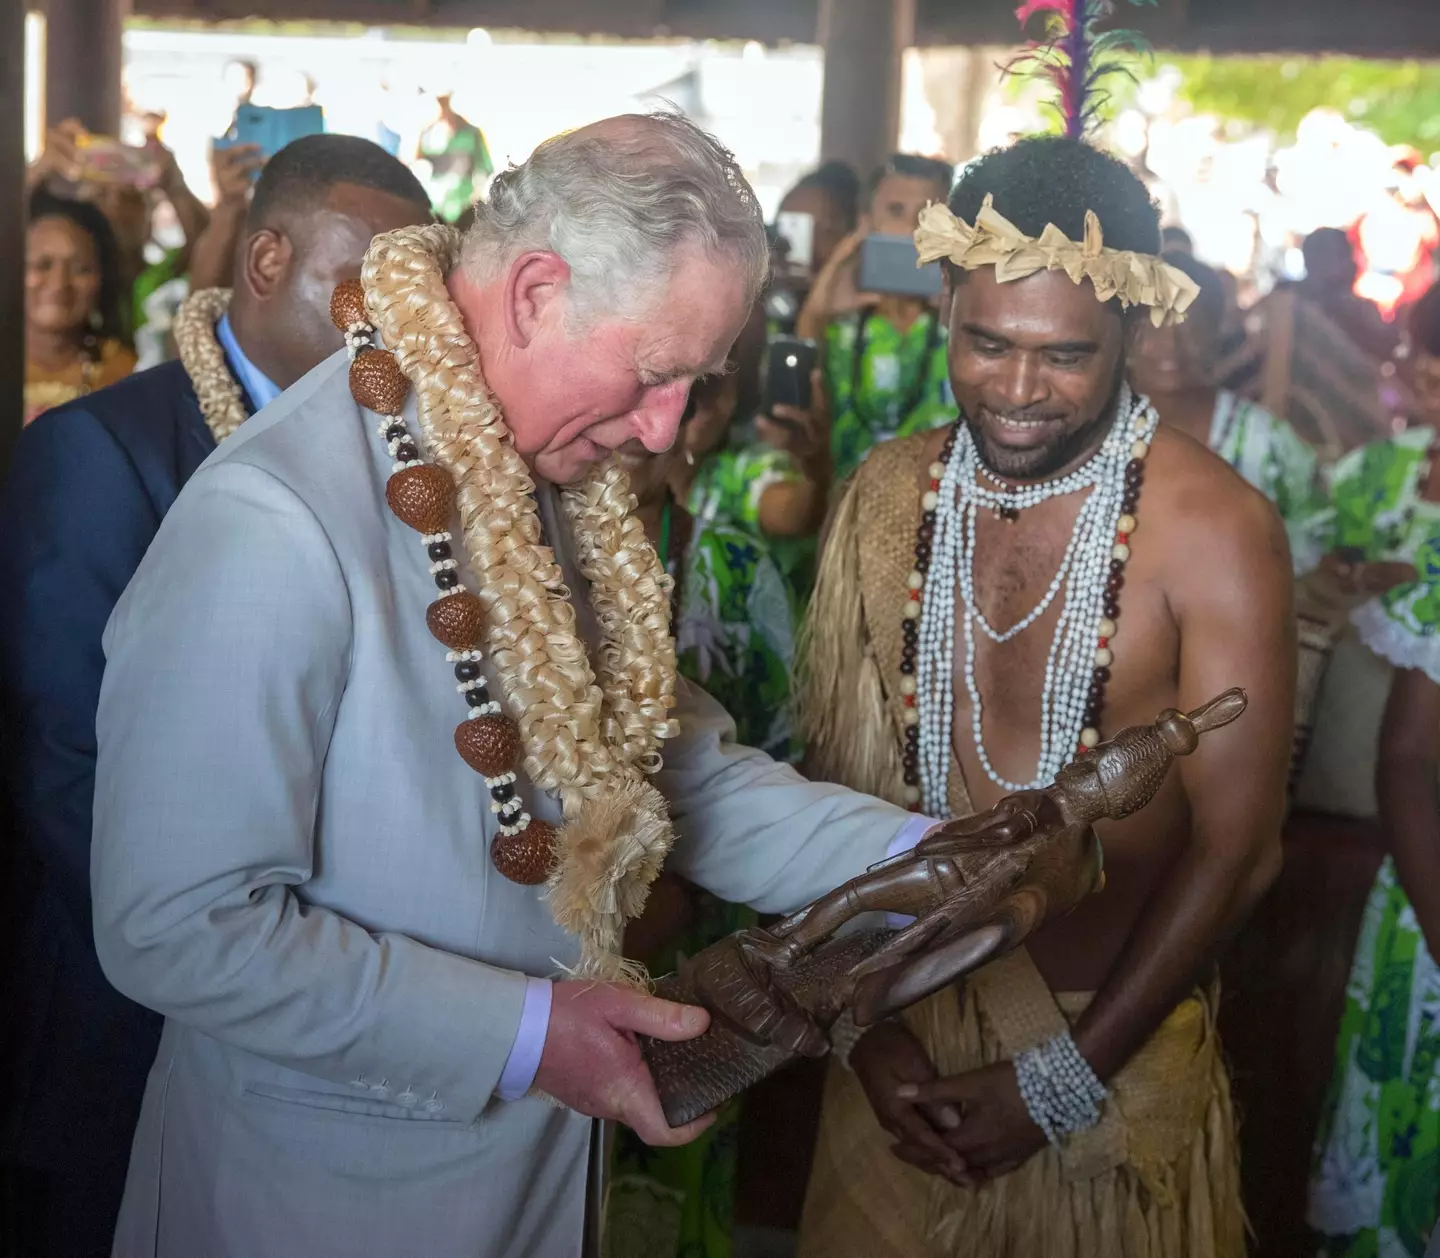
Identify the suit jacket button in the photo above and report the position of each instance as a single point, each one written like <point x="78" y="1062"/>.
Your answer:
<point x="407" y="1098"/>
<point x="433" y="1107"/>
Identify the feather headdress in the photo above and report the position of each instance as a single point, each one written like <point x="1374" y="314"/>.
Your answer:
<point x="1076" y="56"/>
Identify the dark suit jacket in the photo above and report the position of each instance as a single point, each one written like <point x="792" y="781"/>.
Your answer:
<point x="88" y="487"/>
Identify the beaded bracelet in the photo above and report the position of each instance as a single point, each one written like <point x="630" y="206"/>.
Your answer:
<point x="1060" y="1090"/>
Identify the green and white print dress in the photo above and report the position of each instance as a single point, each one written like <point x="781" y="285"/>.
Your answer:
<point x="1273" y="457"/>
<point x="1375" y="1181"/>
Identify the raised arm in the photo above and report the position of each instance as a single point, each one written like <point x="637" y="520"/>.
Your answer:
<point x="1233" y="606"/>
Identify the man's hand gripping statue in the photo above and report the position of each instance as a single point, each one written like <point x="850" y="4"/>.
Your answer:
<point x="976" y="888"/>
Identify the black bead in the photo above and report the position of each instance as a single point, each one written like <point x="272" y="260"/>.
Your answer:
<point x="407" y="451"/>
<point x="447" y="580"/>
<point x="503" y="793"/>
<point x="911" y="777"/>
<point x="1102" y="675"/>
<point x="438" y="551"/>
<point x="907" y="667"/>
<point x="467" y="670"/>
<point x="478" y="697"/>
<point x="396" y="432"/>
<point x="1112" y="610"/>
<point x="1117" y="566"/>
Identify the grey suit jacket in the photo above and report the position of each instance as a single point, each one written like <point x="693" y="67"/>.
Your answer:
<point x="290" y="862"/>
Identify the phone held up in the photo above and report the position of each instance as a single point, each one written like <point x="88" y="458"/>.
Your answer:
<point x="270" y="130"/>
<point x="890" y="265"/>
<point x="789" y="360"/>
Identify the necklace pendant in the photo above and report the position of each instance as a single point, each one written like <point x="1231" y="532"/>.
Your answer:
<point x="1008" y="514"/>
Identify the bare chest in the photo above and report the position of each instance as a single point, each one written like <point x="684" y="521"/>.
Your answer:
<point x="1006" y="691"/>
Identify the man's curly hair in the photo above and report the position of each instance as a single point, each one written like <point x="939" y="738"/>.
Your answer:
<point x="1053" y="179"/>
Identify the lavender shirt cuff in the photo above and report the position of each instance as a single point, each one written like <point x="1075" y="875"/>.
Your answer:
<point x="524" y="1059"/>
<point x="910" y="834"/>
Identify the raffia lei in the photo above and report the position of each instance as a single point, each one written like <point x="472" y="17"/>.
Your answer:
<point x="590" y="736"/>
<point x="221" y="402"/>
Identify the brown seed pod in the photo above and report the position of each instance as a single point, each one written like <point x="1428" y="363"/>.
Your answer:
<point x="489" y="744"/>
<point x="457" y="621"/>
<point x="527" y="857"/>
<point x="422" y="497"/>
<point x="347" y="305"/>
<point x="377" y="382"/>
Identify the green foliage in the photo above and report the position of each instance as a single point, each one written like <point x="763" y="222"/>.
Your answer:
<point x="1398" y="100"/>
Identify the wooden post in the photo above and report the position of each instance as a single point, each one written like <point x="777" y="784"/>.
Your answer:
<point x="12" y="220"/>
<point x="82" y="62"/>
<point x="864" y="42"/>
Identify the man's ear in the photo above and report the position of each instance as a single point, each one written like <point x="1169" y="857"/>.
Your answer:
<point x="536" y="289"/>
<point x="265" y="262"/>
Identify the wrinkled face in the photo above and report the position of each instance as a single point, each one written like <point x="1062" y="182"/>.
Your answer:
<point x="571" y="396"/>
<point x="897" y="201"/>
<point x="62" y="276"/>
<point x="1174" y="359"/>
<point x="1035" y="365"/>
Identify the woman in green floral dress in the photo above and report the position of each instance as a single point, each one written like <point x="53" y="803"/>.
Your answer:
<point x="1375" y="1183"/>
<point x="734" y="629"/>
<point x="884" y="356"/>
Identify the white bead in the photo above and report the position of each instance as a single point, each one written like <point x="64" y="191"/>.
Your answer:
<point x="912" y="794"/>
<point x="916" y="580"/>
<point x="1104" y="657"/>
<point x="1106" y="628"/>
<point x="912" y="610"/>
<point x="911" y="717"/>
<point x="1120" y="552"/>
<point x="929" y="500"/>
<point x="937" y="471"/>
<point x="1126" y="524"/>
<point x="907" y="684"/>
<point x="1139" y="450"/>
<point x="1089" y="737"/>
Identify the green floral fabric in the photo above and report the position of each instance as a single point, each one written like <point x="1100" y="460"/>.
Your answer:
<point x="727" y="490"/>
<point x="735" y="636"/>
<point x="1272" y="456"/>
<point x="895" y="364"/>
<point x="1375" y="1181"/>
<point x="1375" y="1184"/>
<point x="1376" y="503"/>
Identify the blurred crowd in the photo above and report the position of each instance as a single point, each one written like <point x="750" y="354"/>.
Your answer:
<point x="1321" y="400"/>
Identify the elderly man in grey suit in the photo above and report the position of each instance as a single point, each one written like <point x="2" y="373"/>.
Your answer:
<point x="290" y="859"/>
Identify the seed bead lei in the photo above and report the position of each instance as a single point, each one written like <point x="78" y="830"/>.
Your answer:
<point x="422" y="495"/>
<point x="1090" y="574"/>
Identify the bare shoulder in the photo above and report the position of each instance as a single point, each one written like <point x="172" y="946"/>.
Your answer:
<point x="1218" y="530"/>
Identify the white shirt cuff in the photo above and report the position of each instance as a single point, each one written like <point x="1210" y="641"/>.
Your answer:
<point x="525" y="1052"/>
<point x="910" y="834"/>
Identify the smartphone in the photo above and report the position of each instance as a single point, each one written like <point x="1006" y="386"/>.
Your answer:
<point x="798" y="233"/>
<point x="104" y="160"/>
<point x="788" y="364"/>
<point x="890" y="264"/>
<point x="270" y="130"/>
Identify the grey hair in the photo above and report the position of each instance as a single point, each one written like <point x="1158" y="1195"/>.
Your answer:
<point x="617" y="202"/>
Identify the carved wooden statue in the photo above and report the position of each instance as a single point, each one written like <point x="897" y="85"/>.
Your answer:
<point x="976" y="888"/>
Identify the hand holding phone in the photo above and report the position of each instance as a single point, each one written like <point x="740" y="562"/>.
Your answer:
<point x="890" y="265"/>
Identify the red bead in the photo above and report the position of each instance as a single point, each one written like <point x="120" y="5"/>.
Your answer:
<point x="1123" y="538"/>
<point x="909" y="701"/>
<point x="1104" y="642"/>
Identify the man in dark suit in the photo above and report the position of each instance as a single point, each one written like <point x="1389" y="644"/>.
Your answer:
<point x="88" y="487"/>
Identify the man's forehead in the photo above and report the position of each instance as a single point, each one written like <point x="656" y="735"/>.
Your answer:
<point x="1047" y="306"/>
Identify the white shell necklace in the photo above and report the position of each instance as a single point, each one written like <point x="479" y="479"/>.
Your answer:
<point x="1089" y="574"/>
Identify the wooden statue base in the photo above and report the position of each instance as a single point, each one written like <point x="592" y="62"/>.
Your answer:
<point x="696" y="1076"/>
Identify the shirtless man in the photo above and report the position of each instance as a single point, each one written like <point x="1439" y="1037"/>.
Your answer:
<point x="1198" y="600"/>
